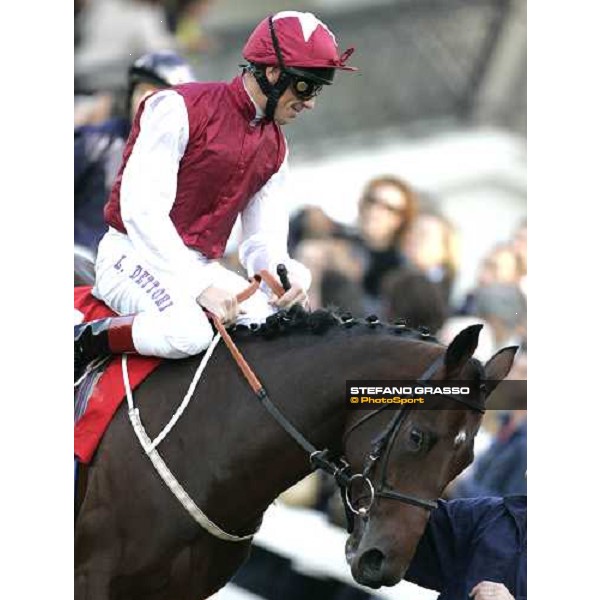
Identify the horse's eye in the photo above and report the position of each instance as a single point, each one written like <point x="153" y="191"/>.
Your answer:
<point x="417" y="438"/>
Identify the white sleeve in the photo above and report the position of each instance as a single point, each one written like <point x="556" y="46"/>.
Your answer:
<point x="265" y="225"/>
<point x="148" y="190"/>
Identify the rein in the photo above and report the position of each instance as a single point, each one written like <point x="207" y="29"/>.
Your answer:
<point x="318" y="458"/>
<point x="338" y="467"/>
<point x="149" y="446"/>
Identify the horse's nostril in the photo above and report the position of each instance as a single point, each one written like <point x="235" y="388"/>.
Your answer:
<point x="370" y="565"/>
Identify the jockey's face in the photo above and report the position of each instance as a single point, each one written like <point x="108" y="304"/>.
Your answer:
<point x="289" y="105"/>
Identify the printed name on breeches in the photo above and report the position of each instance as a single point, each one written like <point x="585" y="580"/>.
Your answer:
<point x="147" y="282"/>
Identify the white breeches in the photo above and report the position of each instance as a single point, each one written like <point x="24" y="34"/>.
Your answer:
<point x="169" y="322"/>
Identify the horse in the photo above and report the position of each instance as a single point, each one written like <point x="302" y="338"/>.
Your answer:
<point x="134" y="540"/>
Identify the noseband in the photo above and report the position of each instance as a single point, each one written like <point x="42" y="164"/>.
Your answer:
<point x="381" y="448"/>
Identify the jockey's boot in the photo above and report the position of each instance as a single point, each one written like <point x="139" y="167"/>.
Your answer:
<point x="100" y="338"/>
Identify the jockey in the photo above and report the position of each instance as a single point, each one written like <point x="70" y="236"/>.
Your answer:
<point x="199" y="155"/>
<point x="99" y="148"/>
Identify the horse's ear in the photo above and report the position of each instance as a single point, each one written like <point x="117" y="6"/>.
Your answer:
<point x="460" y="350"/>
<point x="497" y="368"/>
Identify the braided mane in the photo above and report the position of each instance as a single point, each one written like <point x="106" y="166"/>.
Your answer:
<point x="318" y="322"/>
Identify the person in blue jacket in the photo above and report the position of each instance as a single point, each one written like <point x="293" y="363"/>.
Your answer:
<point x="474" y="548"/>
<point x="99" y="148"/>
<point x="500" y="470"/>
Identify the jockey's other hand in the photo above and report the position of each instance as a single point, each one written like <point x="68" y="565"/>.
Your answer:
<point x="295" y="295"/>
<point x="221" y="303"/>
<point x="490" y="590"/>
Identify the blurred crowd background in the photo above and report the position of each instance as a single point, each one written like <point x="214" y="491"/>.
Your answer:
<point x="409" y="187"/>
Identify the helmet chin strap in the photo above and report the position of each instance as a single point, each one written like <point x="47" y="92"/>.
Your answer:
<point x="273" y="91"/>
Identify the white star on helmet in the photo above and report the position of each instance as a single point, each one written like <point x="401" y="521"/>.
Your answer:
<point x="308" y="22"/>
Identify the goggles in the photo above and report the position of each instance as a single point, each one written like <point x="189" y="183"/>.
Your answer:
<point x="304" y="89"/>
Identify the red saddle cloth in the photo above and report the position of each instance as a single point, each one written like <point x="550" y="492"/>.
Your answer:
<point x="110" y="390"/>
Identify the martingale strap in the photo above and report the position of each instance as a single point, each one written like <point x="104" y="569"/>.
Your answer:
<point x="159" y="464"/>
<point x="149" y="446"/>
<point x="319" y="459"/>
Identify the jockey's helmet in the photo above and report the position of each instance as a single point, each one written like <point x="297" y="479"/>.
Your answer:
<point x="302" y="46"/>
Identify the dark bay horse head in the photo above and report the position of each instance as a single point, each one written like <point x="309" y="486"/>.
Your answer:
<point x="409" y="466"/>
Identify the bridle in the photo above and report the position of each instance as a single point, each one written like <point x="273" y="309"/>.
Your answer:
<point x="319" y="459"/>
<point x="381" y="448"/>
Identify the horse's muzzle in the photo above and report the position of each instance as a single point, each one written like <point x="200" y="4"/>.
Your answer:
<point x="372" y="569"/>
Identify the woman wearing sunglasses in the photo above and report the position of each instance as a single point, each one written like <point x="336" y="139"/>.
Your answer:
<point x="199" y="155"/>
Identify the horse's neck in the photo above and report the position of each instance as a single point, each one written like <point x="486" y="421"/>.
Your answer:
<point x="261" y="459"/>
<point x="312" y="396"/>
<point x="306" y="381"/>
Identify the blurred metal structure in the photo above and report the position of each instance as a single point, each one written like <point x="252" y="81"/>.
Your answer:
<point x="424" y="65"/>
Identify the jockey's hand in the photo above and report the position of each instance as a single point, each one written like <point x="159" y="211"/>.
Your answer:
<point x="490" y="590"/>
<point x="221" y="303"/>
<point x="295" y="295"/>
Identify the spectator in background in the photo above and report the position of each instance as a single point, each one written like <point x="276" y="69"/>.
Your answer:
<point x="336" y="274"/>
<point x="99" y="148"/>
<point x="111" y="33"/>
<point x="93" y="108"/>
<point x="500" y="470"/>
<point x="324" y="246"/>
<point x="185" y="20"/>
<point x="501" y="265"/>
<point x="431" y="245"/>
<point x="352" y="265"/>
<point x="504" y="308"/>
<point x="408" y="294"/>
<point x="311" y="223"/>
<point x="387" y="208"/>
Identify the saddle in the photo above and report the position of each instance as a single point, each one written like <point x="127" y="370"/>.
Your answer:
<point x="103" y="390"/>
